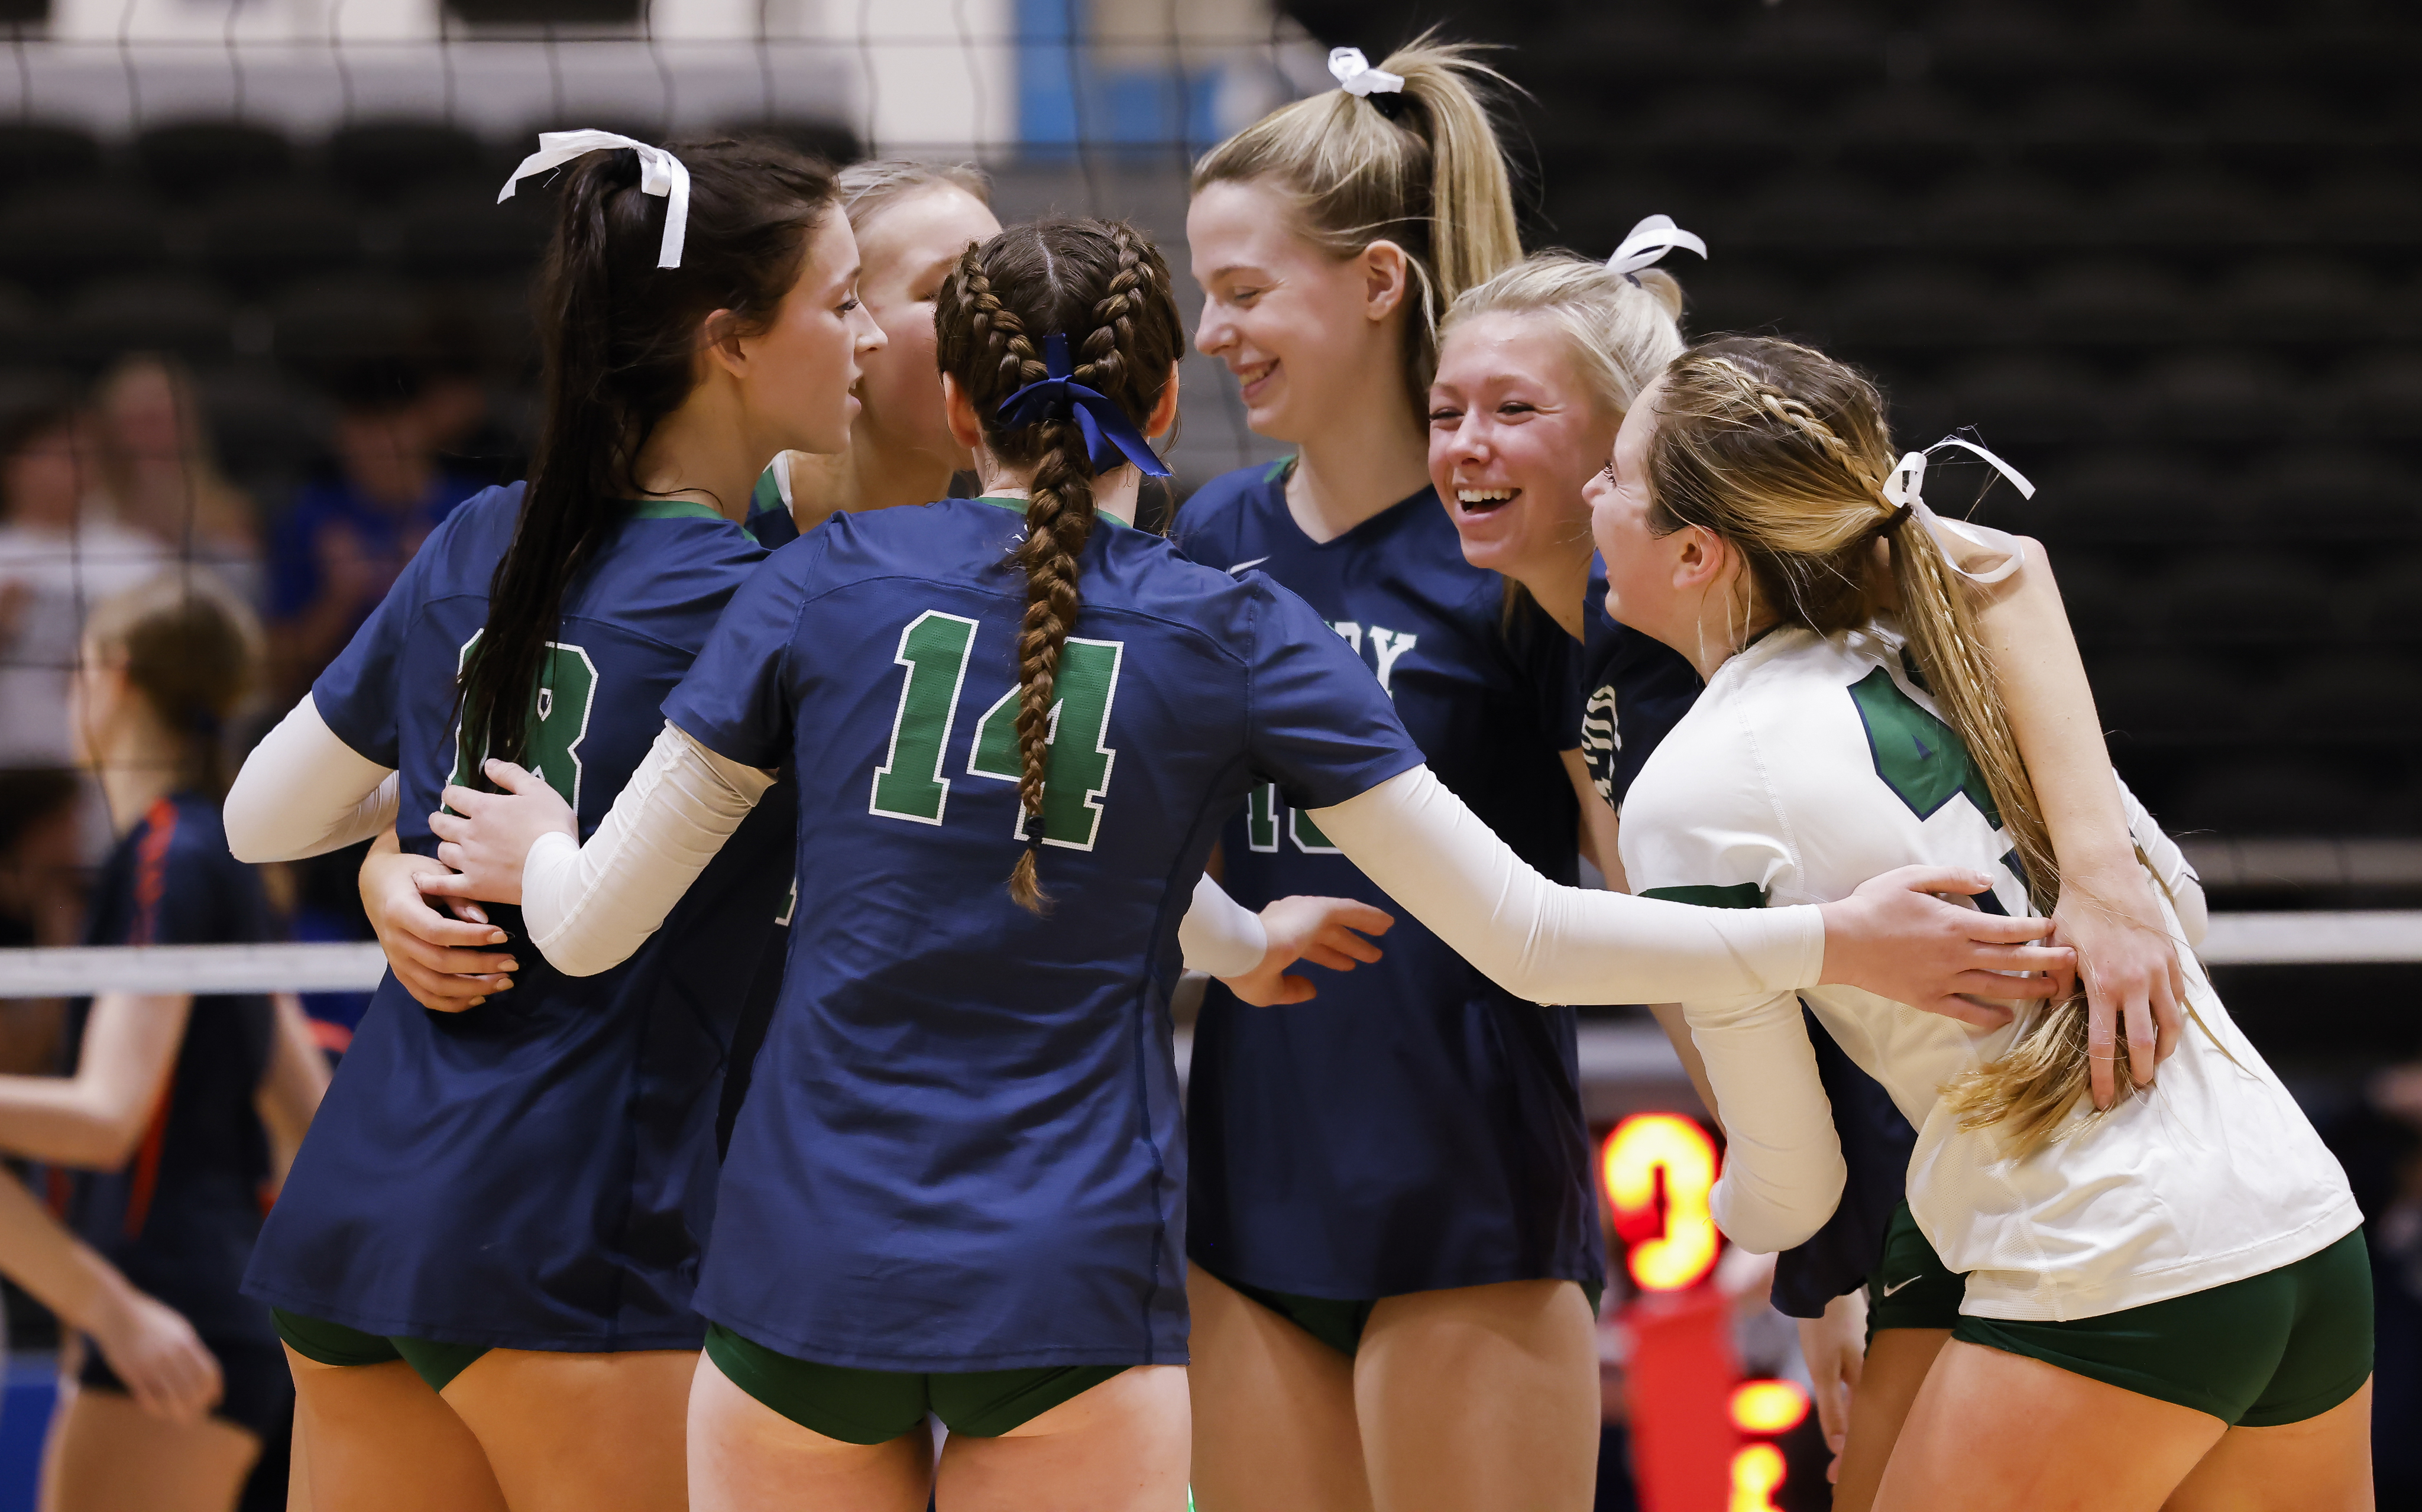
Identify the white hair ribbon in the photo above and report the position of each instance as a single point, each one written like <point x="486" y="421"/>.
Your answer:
<point x="1905" y="489"/>
<point x="1356" y="77"/>
<point x="1649" y="241"/>
<point x="660" y="173"/>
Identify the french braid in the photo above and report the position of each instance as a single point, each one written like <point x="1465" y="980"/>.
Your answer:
<point x="1105" y="288"/>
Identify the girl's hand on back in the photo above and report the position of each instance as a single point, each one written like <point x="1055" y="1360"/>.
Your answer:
<point x="487" y="836"/>
<point x="2130" y="970"/>
<point x="1319" y="930"/>
<point x="167" y="1369"/>
<point x="433" y="956"/>
<point x="1892" y="939"/>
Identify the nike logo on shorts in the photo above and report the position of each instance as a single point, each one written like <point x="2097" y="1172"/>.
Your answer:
<point x="1895" y="1287"/>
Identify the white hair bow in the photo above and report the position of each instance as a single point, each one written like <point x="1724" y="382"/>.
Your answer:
<point x="660" y="173"/>
<point x="1905" y="489"/>
<point x="1356" y="77"/>
<point x="1649" y="241"/>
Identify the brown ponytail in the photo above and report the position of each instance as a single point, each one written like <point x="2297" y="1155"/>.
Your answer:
<point x="620" y="338"/>
<point x="1105" y="288"/>
<point x="193" y="650"/>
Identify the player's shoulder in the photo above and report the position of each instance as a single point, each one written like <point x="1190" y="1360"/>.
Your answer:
<point x="464" y="548"/>
<point x="1211" y="523"/>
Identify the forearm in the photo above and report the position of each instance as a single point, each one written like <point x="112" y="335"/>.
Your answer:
<point x="304" y="792"/>
<point x="66" y="1120"/>
<point x="1219" y="934"/>
<point x="589" y="907"/>
<point x="2051" y="713"/>
<point x="1784" y="1171"/>
<point x="1555" y="944"/>
<point x="52" y="1265"/>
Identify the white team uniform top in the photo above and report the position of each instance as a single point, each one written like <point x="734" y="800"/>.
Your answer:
<point x="1811" y="764"/>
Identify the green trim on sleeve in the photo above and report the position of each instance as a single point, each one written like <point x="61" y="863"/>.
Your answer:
<point x="676" y="508"/>
<point x="1740" y="895"/>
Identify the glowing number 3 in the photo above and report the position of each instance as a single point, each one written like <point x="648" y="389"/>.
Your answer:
<point x="1682" y="1248"/>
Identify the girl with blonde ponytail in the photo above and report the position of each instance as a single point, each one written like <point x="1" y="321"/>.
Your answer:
<point x="2187" y="1260"/>
<point x="1536" y="369"/>
<point x="1367" y="1224"/>
<point x="1013" y="725"/>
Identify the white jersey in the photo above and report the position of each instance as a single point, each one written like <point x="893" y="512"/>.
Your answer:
<point x="1811" y="764"/>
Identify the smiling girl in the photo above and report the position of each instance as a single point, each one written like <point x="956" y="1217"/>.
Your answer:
<point x="483" y="1264"/>
<point x="1393" y="1190"/>
<point x="2161" y="1305"/>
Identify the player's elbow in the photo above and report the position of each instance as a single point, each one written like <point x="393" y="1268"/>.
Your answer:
<point x="251" y="814"/>
<point x="1768" y="1216"/>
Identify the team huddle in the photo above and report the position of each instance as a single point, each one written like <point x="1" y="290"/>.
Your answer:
<point x="792" y="867"/>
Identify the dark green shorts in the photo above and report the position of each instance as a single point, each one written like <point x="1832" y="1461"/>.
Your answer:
<point x="1910" y="1287"/>
<point x="1337" y="1322"/>
<point x="333" y="1344"/>
<point x="878" y="1406"/>
<point x="2278" y="1347"/>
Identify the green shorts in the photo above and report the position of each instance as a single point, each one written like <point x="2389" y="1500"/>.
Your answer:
<point x="334" y="1343"/>
<point x="2279" y="1347"/>
<point x="1337" y="1322"/>
<point x="1911" y="1288"/>
<point x="878" y="1406"/>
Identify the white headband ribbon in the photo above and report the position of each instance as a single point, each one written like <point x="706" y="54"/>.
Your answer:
<point x="1649" y="241"/>
<point x="1356" y="77"/>
<point x="660" y="173"/>
<point x="1905" y="489"/>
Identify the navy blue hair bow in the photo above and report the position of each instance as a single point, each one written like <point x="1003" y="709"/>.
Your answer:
<point x="1110" y="437"/>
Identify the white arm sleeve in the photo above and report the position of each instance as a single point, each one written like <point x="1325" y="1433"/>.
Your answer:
<point x="2171" y="866"/>
<point x="1784" y="1171"/>
<point x="588" y="906"/>
<point x="1555" y="944"/>
<point x="1220" y="935"/>
<point x="304" y="792"/>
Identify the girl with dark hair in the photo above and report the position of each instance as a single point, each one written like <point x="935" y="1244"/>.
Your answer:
<point x="482" y="1268"/>
<point x="179" y="1114"/>
<point x="957" y="1185"/>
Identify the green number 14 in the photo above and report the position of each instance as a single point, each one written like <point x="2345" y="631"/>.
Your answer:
<point x="936" y="648"/>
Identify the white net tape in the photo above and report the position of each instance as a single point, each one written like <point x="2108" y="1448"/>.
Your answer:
<point x="2385" y="936"/>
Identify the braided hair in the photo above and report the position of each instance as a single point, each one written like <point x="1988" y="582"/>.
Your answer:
<point x="1105" y="288"/>
<point x="1784" y="453"/>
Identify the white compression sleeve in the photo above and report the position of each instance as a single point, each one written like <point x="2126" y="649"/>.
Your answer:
<point x="304" y="792"/>
<point x="1220" y="935"/>
<point x="1556" y="944"/>
<point x="588" y="906"/>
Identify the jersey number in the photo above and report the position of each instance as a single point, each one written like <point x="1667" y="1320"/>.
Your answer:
<point x="936" y="648"/>
<point x="1916" y="754"/>
<point x="557" y="720"/>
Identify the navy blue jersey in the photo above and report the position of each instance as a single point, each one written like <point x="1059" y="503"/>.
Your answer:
<point x="960" y="1147"/>
<point x="537" y="1172"/>
<point x="1418" y="1127"/>
<point x="180" y="1218"/>
<point x="1634" y="689"/>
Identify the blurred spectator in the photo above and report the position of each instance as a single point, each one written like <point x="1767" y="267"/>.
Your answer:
<point x="457" y="404"/>
<point x="163" y="472"/>
<point x="340" y="546"/>
<point x="41" y="900"/>
<point x="61" y="550"/>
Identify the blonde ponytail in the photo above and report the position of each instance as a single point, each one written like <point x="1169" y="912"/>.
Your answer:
<point x="1432" y="180"/>
<point x="1783" y="453"/>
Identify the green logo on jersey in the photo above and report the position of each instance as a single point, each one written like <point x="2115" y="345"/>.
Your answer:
<point x="1916" y="754"/>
